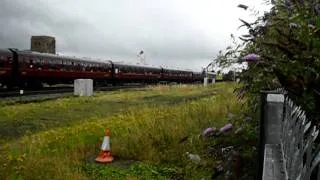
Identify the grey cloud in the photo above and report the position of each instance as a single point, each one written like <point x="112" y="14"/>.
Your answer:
<point x="110" y="29"/>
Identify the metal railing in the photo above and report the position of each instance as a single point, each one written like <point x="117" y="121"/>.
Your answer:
<point x="288" y="148"/>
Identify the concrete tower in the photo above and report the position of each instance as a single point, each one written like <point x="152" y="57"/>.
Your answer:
<point x="43" y="44"/>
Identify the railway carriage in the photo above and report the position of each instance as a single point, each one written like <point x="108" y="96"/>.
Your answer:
<point x="136" y="73"/>
<point x="6" y="58"/>
<point x="38" y="68"/>
<point x="32" y="69"/>
<point x="177" y="75"/>
<point x="198" y="76"/>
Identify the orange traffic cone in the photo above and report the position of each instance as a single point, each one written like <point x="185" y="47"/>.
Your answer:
<point x="105" y="155"/>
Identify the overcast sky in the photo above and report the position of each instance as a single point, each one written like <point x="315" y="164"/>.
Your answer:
<point x="184" y="33"/>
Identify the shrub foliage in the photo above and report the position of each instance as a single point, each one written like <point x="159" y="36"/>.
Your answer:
<point x="287" y="41"/>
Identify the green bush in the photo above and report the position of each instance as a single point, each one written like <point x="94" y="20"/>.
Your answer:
<point x="287" y="41"/>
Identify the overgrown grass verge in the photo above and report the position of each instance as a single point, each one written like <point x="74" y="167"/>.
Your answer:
<point x="148" y="128"/>
<point x="22" y="119"/>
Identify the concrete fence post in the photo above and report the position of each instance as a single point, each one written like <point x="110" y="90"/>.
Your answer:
<point x="83" y="87"/>
<point x="271" y="112"/>
<point x="273" y="118"/>
<point x="288" y="143"/>
<point x="205" y="81"/>
<point x="213" y="79"/>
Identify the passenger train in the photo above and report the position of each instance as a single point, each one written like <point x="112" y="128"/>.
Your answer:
<point x="27" y="69"/>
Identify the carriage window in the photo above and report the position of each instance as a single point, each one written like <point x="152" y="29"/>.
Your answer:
<point x="67" y="65"/>
<point x="94" y="68"/>
<point x="78" y="67"/>
<point x="52" y="65"/>
<point x="37" y="63"/>
<point x="127" y="70"/>
<point x="83" y="67"/>
<point x="98" y="67"/>
<point x="91" y="67"/>
<point x="31" y="63"/>
<point x="102" y="68"/>
<point x="87" y="67"/>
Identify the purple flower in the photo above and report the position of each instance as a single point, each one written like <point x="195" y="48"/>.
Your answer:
<point x="219" y="168"/>
<point x="251" y="57"/>
<point x="226" y="128"/>
<point x="209" y="131"/>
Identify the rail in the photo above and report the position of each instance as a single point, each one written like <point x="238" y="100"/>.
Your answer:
<point x="289" y="146"/>
<point x="16" y="93"/>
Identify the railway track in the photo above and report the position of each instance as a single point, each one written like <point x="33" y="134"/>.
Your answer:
<point x="54" y="93"/>
<point x="18" y="93"/>
<point x="55" y="90"/>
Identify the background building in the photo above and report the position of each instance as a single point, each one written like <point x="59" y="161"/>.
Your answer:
<point x="43" y="44"/>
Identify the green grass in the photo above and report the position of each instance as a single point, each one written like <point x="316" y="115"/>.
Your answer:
<point x="17" y="120"/>
<point x="58" y="139"/>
